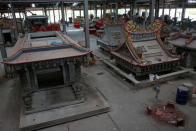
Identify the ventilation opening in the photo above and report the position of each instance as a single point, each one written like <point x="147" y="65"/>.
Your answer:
<point x="7" y="37"/>
<point x="37" y="37"/>
<point x="50" y="78"/>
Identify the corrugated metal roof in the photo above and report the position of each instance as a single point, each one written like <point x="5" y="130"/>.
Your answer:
<point x="40" y="1"/>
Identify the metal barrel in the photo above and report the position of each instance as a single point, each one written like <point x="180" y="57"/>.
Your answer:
<point x="182" y="95"/>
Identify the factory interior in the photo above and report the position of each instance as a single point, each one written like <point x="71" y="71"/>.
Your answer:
<point x="97" y="65"/>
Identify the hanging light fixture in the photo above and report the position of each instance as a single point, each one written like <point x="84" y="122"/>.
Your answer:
<point x="9" y="5"/>
<point x="33" y="5"/>
<point x="75" y="4"/>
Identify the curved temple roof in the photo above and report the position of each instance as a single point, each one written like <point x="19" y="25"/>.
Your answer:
<point x="184" y="41"/>
<point x="144" y="47"/>
<point x="44" y="46"/>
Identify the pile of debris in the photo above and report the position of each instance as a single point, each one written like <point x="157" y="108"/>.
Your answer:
<point x="167" y="113"/>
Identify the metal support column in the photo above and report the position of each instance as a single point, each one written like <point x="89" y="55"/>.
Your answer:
<point x="95" y="10"/>
<point x="152" y="7"/>
<point x="73" y="11"/>
<point x="146" y="12"/>
<point x="53" y="14"/>
<point x="45" y="11"/>
<point x="134" y="7"/>
<point x="138" y="9"/>
<point x="49" y="14"/>
<point x="66" y="13"/>
<point x="3" y="52"/>
<point x="175" y="11"/>
<point x="15" y="21"/>
<point x="183" y="9"/>
<point x="80" y="12"/>
<point x="125" y="8"/>
<point x="131" y="9"/>
<point x="25" y="15"/>
<point x="163" y="9"/>
<point x="104" y="9"/>
<point x="101" y="10"/>
<point x="3" y="48"/>
<point x="59" y="13"/>
<point x="63" y="16"/>
<point x="20" y="15"/>
<point x="169" y="10"/>
<point x="116" y="12"/>
<point x="21" y="23"/>
<point x="110" y="8"/>
<point x="157" y="9"/>
<point x="87" y="39"/>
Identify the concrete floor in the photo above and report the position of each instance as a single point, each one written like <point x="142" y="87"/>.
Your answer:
<point x="127" y="102"/>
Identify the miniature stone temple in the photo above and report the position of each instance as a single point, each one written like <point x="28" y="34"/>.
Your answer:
<point x="44" y="62"/>
<point x="144" y="52"/>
